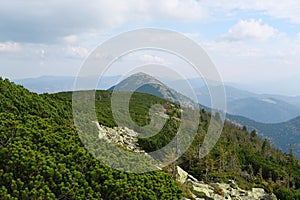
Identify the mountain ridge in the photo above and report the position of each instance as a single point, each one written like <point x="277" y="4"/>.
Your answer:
<point x="40" y="148"/>
<point x="57" y="85"/>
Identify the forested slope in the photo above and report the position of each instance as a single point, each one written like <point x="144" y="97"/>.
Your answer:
<point x="42" y="156"/>
<point x="239" y="155"/>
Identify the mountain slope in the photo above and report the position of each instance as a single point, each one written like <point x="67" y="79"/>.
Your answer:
<point x="282" y="135"/>
<point x="237" y="155"/>
<point x="40" y="151"/>
<point x="258" y="107"/>
<point x="152" y="86"/>
<point x="42" y="156"/>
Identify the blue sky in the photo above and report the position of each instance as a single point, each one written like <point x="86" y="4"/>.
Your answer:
<point x="249" y="41"/>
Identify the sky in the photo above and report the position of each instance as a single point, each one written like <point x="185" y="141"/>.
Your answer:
<point x="252" y="43"/>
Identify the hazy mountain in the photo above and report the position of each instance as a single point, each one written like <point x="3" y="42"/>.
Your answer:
<point x="232" y="94"/>
<point x="288" y="86"/>
<point x="259" y="107"/>
<point x="293" y="100"/>
<point x="280" y="134"/>
<point x="54" y="84"/>
<point x="267" y="110"/>
<point x="47" y="84"/>
<point x="153" y="86"/>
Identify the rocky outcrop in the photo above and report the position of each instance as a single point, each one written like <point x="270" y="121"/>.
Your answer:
<point x="121" y="136"/>
<point x="127" y="138"/>
<point x="219" y="191"/>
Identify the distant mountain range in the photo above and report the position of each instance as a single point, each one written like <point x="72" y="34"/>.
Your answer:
<point x="259" y="107"/>
<point x="266" y="108"/>
<point x="273" y="116"/>
<point x="54" y="84"/>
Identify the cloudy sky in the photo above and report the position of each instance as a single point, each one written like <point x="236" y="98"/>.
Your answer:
<point x="249" y="41"/>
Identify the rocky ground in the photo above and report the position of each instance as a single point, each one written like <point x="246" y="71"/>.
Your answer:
<point x="121" y="136"/>
<point x="128" y="138"/>
<point x="219" y="191"/>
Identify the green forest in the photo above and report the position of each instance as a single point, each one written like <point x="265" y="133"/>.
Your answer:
<point x="42" y="156"/>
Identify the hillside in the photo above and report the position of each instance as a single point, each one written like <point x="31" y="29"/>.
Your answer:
<point x="281" y="135"/>
<point x="42" y="156"/>
<point x="40" y="150"/>
<point x="238" y="155"/>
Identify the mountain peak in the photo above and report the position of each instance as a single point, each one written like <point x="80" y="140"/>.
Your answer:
<point x="143" y="77"/>
<point x="148" y="84"/>
<point x="141" y="74"/>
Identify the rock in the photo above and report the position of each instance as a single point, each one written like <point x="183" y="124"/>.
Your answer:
<point x="242" y="192"/>
<point x="121" y="136"/>
<point x="256" y="193"/>
<point x="192" y="178"/>
<point x="233" y="185"/>
<point x="127" y="138"/>
<point x="199" y="184"/>
<point x="234" y="193"/>
<point x="200" y="190"/>
<point x="217" y="197"/>
<point x="222" y="191"/>
<point x="224" y="186"/>
<point x="181" y="175"/>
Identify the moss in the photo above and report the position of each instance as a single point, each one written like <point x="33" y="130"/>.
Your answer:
<point x="218" y="190"/>
<point x="186" y="192"/>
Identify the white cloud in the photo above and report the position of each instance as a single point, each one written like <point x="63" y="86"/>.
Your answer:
<point x="51" y="20"/>
<point x="288" y="9"/>
<point x="252" y="61"/>
<point x="193" y="36"/>
<point x="147" y="58"/>
<point x="76" y="51"/>
<point x="250" y="29"/>
<point x="181" y="9"/>
<point x="9" y="47"/>
<point x="70" y="39"/>
<point x="48" y="21"/>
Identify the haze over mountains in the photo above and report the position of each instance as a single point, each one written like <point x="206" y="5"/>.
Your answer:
<point x="265" y="108"/>
<point x="40" y="147"/>
<point x="275" y="117"/>
<point x="259" y="107"/>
